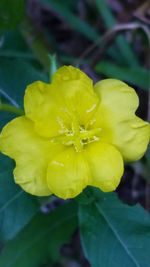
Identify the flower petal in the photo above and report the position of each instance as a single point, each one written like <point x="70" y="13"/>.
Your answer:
<point x="68" y="174"/>
<point x="19" y="141"/>
<point x="52" y="106"/>
<point x="106" y="166"/>
<point x="77" y="91"/>
<point x="116" y="115"/>
<point x="42" y="105"/>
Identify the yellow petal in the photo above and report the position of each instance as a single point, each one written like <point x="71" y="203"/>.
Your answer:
<point x="106" y="166"/>
<point x="132" y="138"/>
<point x="70" y="73"/>
<point x="67" y="174"/>
<point x="52" y="107"/>
<point x="77" y="91"/>
<point x="116" y="115"/>
<point x="19" y="141"/>
<point x="42" y="105"/>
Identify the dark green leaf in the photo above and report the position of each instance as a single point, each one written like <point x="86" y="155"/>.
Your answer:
<point x="5" y="117"/>
<point x="17" y="49"/>
<point x="15" y="75"/>
<point x="16" y="207"/>
<point x="136" y="76"/>
<point x="114" y="234"/>
<point x="41" y="239"/>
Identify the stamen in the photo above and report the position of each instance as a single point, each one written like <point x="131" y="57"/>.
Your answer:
<point x="77" y="135"/>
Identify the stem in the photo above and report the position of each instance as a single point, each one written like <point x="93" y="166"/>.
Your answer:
<point x="12" y="109"/>
<point x="53" y="65"/>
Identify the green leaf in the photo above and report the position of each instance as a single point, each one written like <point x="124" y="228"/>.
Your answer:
<point x="16" y="207"/>
<point x="16" y="71"/>
<point x="114" y="234"/>
<point x="17" y="49"/>
<point x="5" y="117"/>
<point x="136" y="76"/>
<point x="11" y="13"/>
<point x="40" y="240"/>
<point x="15" y="75"/>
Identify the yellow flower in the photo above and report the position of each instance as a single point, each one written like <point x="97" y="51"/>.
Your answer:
<point x="74" y="134"/>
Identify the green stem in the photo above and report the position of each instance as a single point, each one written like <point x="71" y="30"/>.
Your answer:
<point x="12" y="109"/>
<point x="53" y="65"/>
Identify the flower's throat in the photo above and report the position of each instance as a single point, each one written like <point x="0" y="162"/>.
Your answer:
<point x="78" y="136"/>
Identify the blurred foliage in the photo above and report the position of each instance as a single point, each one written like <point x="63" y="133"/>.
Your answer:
<point x="137" y="76"/>
<point x="40" y="240"/>
<point x="36" y="36"/>
<point x="11" y="13"/>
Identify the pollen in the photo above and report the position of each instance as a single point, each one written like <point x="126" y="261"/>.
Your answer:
<point x="77" y="135"/>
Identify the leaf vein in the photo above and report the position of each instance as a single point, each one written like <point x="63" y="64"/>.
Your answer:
<point x="117" y="236"/>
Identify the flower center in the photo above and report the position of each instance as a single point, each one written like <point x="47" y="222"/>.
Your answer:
<point x="78" y="136"/>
